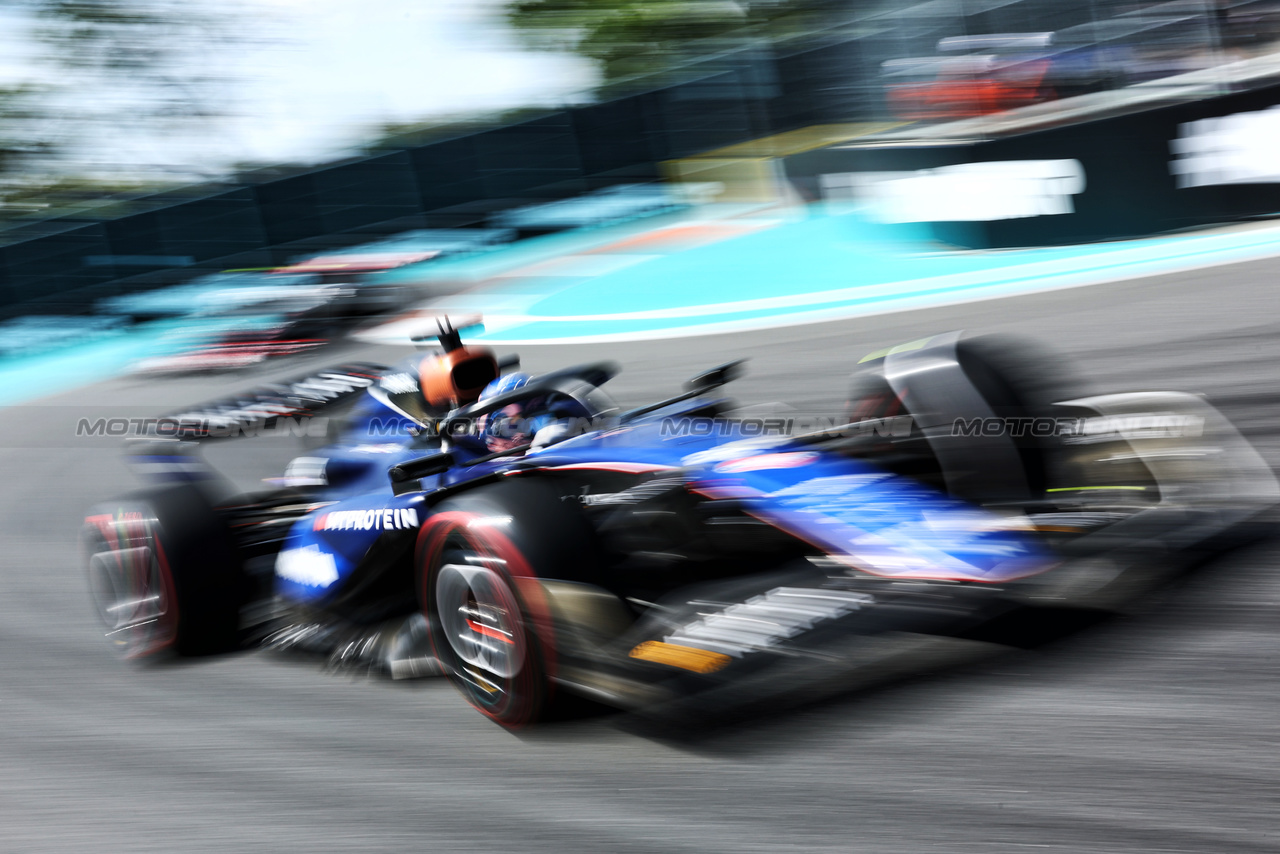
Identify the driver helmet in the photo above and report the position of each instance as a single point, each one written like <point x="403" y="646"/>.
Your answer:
<point x="518" y="423"/>
<point x="504" y="384"/>
<point x="507" y="427"/>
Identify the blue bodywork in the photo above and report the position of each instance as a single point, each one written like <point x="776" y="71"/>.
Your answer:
<point x="845" y="507"/>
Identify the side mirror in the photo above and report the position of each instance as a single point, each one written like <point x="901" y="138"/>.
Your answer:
<point x="703" y="382"/>
<point x="421" y="467"/>
<point x="716" y="377"/>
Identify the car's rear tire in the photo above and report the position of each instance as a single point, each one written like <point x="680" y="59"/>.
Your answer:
<point x="955" y="389"/>
<point x="1019" y="379"/>
<point x="164" y="574"/>
<point x="481" y="558"/>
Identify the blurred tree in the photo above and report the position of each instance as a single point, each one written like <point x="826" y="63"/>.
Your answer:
<point x="631" y="37"/>
<point x="17" y="108"/>
<point x="99" y="72"/>
<point x="395" y="136"/>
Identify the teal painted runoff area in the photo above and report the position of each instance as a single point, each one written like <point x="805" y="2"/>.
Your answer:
<point x="828" y="267"/>
<point x="776" y="271"/>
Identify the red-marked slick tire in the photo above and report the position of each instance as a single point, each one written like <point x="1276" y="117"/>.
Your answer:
<point x="163" y="574"/>
<point x="480" y="558"/>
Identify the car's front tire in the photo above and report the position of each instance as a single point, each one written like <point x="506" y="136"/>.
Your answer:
<point x="481" y="559"/>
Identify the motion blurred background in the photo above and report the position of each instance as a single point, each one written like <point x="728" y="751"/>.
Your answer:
<point x="198" y="197"/>
<point x="147" y="143"/>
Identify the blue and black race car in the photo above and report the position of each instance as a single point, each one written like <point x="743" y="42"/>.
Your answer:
<point x="534" y="541"/>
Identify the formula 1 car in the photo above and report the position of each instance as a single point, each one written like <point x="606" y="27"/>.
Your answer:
<point x="301" y="319"/>
<point x="667" y="559"/>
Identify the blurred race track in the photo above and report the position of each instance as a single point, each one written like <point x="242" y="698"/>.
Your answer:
<point x="1156" y="731"/>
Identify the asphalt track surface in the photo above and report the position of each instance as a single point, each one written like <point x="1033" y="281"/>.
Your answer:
<point x="1156" y="731"/>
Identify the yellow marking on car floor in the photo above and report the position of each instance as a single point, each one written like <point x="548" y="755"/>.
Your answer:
<point x="684" y="657"/>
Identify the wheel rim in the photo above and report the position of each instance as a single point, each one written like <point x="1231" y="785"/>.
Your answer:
<point x="130" y="585"/>
<point x="480" y="620"/>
